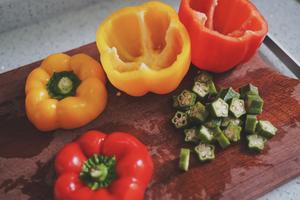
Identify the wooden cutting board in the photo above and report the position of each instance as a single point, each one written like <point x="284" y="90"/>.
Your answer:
<point x="26" y="155"/>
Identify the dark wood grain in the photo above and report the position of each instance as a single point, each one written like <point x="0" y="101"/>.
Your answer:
<point x="26" y="155"/>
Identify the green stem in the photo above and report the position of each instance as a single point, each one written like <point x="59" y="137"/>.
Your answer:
<point x="63" y="84"/>
<point x="98" y="171"/>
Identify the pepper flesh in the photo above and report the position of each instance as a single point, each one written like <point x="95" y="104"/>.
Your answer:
<point x="232" y="30"/>
<point x="48" y="113"/>
<point x="144" y="49"/>
<point x="133" y="168"/>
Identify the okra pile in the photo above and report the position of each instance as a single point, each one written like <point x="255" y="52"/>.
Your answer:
<point x="209" y="118"/>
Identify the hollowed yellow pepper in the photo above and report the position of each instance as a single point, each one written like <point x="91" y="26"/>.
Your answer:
<point x="144" y="49"/>
<point x="65" y="92"/>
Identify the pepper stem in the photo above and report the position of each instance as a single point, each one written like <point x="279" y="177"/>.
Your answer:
<point x="98" y="171"/>
<point x="62" y="84"/>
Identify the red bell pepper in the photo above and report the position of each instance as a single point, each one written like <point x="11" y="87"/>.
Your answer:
<point x="99" y="166"/>
<point x="223" y="33"/>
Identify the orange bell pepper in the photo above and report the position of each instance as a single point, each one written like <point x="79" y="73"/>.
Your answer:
<point x="144" y="49"/>
<point x="223" y="33"/>
<point x="65" y="92"/>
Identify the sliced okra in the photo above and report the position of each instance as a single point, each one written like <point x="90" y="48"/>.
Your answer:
<point x="203" y="77"/>
<point x="266" y="129"/>
<point x="191" y="135"/>
<point x="250" y="124"/>
<point x="217" y="131"/>
<point x="237" y="107"/>
<point x="248" y="89"/>
<point x="256" y="142"/>
<point x="219" y="108"/>
<point x="227" y="120"/>
<point x="175" y="102"/>
<point x="223" y="141"/>
<point x="233" y="132"/>
<point x="197" y="112"/>
<point x="212" y="123"/>
<point x="205" y="134"/>
<point x="186" y="99"/>
<point x="180" y="119"/>
<point x="211" y="88"/>
<point x="205" y="152"/>
<point x="254" y="104"/>
<point x="184" y="159"/>
<point x="228" y="93"/>
<point x="201" y="89"/>
<point x="220" y="137"/>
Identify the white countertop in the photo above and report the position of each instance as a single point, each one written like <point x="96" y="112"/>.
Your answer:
<point x="30" y="38"/>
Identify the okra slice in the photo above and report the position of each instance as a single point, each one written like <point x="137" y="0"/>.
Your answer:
<point x="266" y="129"/>
<point x="237" y="107"/>
<point x="191" y="135"/>
<point x="211" y="88"/>
<point x="205" y="152"/>
<point x="254" y="104"/>
<point x="250" y="124"/>
<point x="233" y="132"/>
<point x="184" y="159"/>
<point x="256" y="142"/>
<point x="227" y="120"/>
<point x="175" y="102"/>
<point x="205" y="135"/>
<point x="197" y="112"/>
<point x="180" y="119"/>
<point x="186" y="99"/>
<point x="203" y="77"/>
<point x="217" y="131"/>
<point x="212" y="123"/>
<point x="219" y="108"/>
<point x="201" y="89"/>
<point x="223" y="141"/>
<point x="248" y="89"/>
<point x="228" y="93"/>
<point x="220" y="137"/>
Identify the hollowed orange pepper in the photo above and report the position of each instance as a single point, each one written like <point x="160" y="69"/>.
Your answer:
<point x="223" y="33"/>
<point x="65" y="92"/>
<point x="144" y="49"/>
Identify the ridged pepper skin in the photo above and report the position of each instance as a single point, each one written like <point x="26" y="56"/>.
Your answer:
<point x="48" y="113"/>
<point x="134" y="167"/>
<point x="223" y="33"/>
<point x="144" y="49"/>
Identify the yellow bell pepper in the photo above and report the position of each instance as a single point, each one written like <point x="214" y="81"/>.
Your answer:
<point x="144" y="49"/>
<point x="65" y="92"/>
